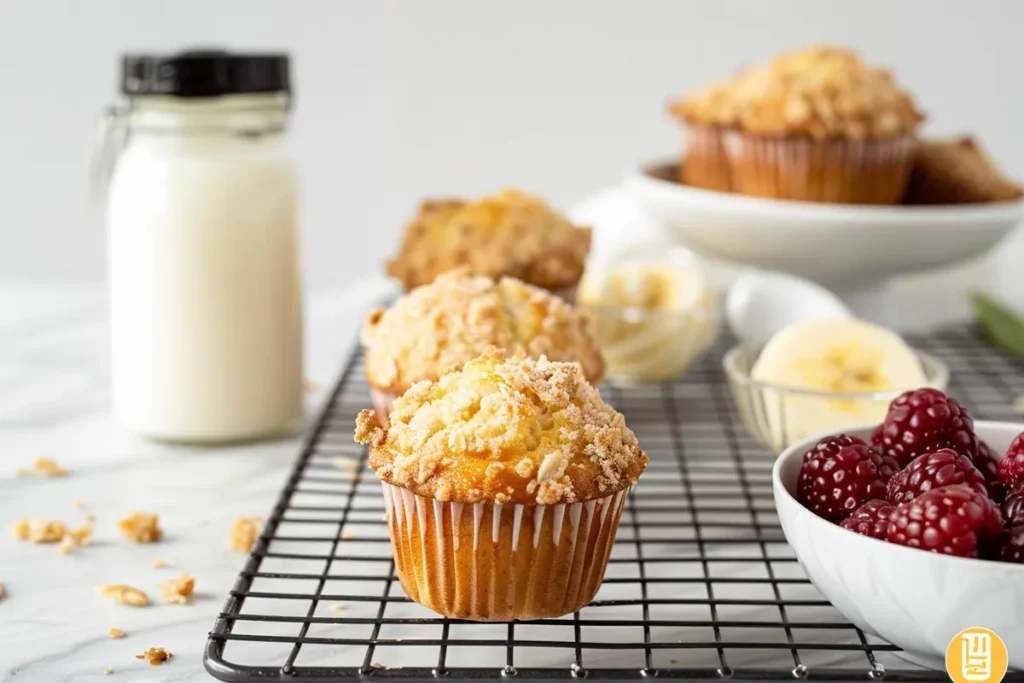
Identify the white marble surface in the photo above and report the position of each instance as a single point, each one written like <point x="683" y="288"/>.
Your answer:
<point x="54" y="401"/>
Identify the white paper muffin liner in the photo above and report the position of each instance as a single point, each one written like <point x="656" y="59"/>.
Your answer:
<point x="494" y="562"/>
<point x="382" y="403"/>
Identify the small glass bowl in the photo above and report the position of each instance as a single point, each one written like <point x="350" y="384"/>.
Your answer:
<point x="778" y="416"/>
<point x="641" y="345"/>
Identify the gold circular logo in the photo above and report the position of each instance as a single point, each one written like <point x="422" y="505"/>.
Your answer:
<point x="976" y="655"/>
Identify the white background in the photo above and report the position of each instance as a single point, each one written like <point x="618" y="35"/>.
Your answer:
<point x="399" y="100"/>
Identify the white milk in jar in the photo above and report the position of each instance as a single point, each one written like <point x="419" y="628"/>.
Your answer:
<point x="204" y="275"/>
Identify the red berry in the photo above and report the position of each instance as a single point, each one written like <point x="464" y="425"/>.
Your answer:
<point x="926" y="420"/>
<point x="870" y="519"/>
<point x="1013" y="546"/>
<point x="1013" y="509"/>
<point x="944" y="467"/>
<point x="876" y="436"/>
<point x="988" y="465"/>
<point x="953" y="520"/>
<point x="841" y="473"/>
<point x="1011" y="467"/>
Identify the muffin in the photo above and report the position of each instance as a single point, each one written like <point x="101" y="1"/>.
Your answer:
<point x="814" y="125"/>
<point x="704" y="163"/>
<point x="957" y="172"/>
<point x="459" y="316"/>
<point x="503" y="483"/>
<point x="510" y="233"/>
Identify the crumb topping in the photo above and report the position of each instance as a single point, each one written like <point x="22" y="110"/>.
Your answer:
<point x="155" y="655"/>
<point x="141" y="527"/>
<point x="38" y="530"/>
<point x="506" y="430"/>
<point x="178" y="591"/>
<point x="244" y="533"/>
<point x="123" y="594"/>
<point x="823" y="92"/>
<point x="458" y="317"/>
<point x="509" y="233"/>
<point x="116" y="633"/>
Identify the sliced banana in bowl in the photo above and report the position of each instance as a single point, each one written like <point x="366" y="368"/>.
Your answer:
<point x="825" y="375"/>
<point x="652" y="320"/>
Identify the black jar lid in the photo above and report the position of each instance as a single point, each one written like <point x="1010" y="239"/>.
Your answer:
<point x="204" y="73"/>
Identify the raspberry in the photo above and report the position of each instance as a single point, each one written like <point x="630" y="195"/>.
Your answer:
<point x="1013" y="546"/>
<point x="1013" y="509"/>
<point x="1011" y="467"/>
<point x="953" y="520"/>
<point x="870" y="519"/>
<point x="839" y="474"/>
<point x="944" y="467"/>
<point x="988" y="465"/>
<point x="926" y="420"/>
<point x="876" y="436"/>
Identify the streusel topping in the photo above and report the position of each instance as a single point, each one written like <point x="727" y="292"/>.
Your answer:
<point x="458" y="317"/>
<point x="823" y="92"/>
<point x="510" y="233"/>
<point x="503" y="429"/>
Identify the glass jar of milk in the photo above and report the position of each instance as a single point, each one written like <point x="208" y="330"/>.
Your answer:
<point x="203" y="248"/>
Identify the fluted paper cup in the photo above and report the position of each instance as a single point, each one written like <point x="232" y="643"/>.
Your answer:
<point x="830" y="171"/>
<point x="494" y="562"/>
<point x="382" y="403"/>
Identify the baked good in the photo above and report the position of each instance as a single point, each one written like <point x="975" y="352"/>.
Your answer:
<point x="509" y="233"/>
<point x="459" y="316"/>
<point x="816" y="125"/>
<point x="957" y="172"/>
<point x="503" y="482"/>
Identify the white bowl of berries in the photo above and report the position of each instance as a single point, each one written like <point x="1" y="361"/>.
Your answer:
<point x="898" y="526"/>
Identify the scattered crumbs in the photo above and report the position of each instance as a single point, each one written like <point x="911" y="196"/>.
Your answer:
<point x="178" y="591"/>
<point x="39" y="530"/>
<point x="47" y="467"/>
<point x="348" y="534"/>
<point x="309" y="385"/>
<point x="116" y="633"/>
<point x="76" y="538"/>
<point x="337" y="607"/>
<point x="1018" y="405"/>
<point x="155" y="655"/>
<point x="91" y="519"/>
<point x="244" y="533"/>
<point x="79" y="505"/>
<point x="123" y="594"/>
<point x="159" y="564"/>
<point x="66" y="546"/>
<point x="107" y="671"/>
<point x="141" y="527"/>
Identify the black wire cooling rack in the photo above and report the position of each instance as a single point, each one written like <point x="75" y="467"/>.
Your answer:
<point x="701" y="584"/>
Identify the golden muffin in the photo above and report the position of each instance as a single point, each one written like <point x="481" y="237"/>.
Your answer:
<point x="510" y="233"/>
<point x="957" y="171"/>
<point x="817" y="124"/>
<point x="504" y="482"/>
<point x="459" y="316"/>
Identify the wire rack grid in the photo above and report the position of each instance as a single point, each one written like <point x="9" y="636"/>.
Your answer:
<point x="701" y="583"/>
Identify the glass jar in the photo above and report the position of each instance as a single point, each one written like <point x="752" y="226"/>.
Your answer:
<point x="201" y="210"/>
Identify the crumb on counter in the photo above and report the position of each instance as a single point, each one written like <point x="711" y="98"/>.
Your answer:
<point x="178" y="591"/>
<point x="76" y="538"/>
<point x="116" y="633"/>
<point x="141" y="527"/>
<point x="123" y="594"/>
<point x="337" y="607"/>
<point x="348" y="534"/>
<point x="155" y="655"/>
<point x="78" y="505"/>
<point x="244" y="533"/>
<point x="107" y="671"/>
<point x="38" y="530"/>
<point x="47" y="467"/>
<point x="159" y="563"/>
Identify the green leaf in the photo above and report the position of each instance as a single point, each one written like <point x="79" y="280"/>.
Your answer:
<point x="1002" y="327"/>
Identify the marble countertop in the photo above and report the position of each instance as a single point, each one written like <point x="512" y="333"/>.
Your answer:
<point x="54" y="402"/>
